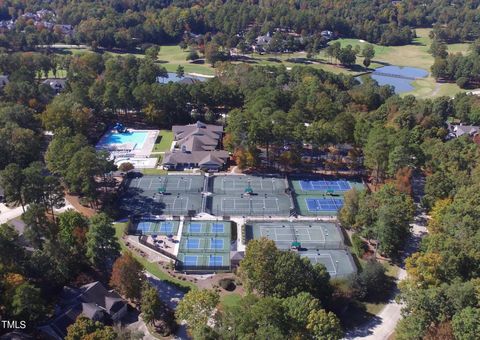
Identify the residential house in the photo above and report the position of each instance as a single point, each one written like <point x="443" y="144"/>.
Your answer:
<point x="92" y="300"/>
<point x="196" y="146"/>
<point x="458" y="130"/>
<point x="261" y="42"/>
<point x="58" y="85"/>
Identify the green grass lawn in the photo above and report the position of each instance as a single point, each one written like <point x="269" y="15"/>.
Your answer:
<point x="151" y="267"/>
<point x="164" y="141"/>
<point x="414" y="55"/>
<point x="230" y="300"/>
<point x="153" y="172"/>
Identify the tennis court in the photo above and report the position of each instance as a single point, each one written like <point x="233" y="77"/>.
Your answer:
<point x="145" y="195"/>
<point x="318" y="205"/>
<point x="250" y="205"/>
<point x="209" y="261"/>
<point x="305" y="185"/>
<point x="246" y="183"/>
<point x="310" y="235"/>
<point x="323" y="204"/>
<point x="206" y="228"/>
<point x="203" y="243"/>
<point x="339" y="263"/>
<point x="169" y="183"/>
<point x="152" y="227"/>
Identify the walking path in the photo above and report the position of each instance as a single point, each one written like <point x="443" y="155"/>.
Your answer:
<point x="382" y="326"/>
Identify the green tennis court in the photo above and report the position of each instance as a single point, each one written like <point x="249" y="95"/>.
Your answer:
<point x="276" y="204"/>
<point x="169" y="183"/>
<point x="204" y="244"/>
<point x="339" y="263"/>
<point x="203" y="262"/>
<point x="310" y="235"/>
<point x="207" y="228"/>
<point x="236" y="184"/>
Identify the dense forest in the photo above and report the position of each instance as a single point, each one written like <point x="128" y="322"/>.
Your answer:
<point x="132" y="24"/>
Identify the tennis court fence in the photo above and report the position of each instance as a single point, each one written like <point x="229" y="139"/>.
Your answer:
<point x="312" y="245"/>
<point x="201" y="269"/>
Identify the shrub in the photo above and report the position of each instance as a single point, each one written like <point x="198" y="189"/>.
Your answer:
<point x="192" y="55"/>
<point x="359" y="247"/>
<point x="126" y="167"/>
<point x="462" y="82"/>
<point x="227" y="284"/>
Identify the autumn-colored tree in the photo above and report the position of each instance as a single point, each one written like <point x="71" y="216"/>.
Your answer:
<point x="240" y="158"/>
<point x="425" y="269"/>
<point x="439" y="208"/>
<point x="324" y="325"/>
<point x="127" y="276"/>
<point x="442" y="331"/>
<point x="86" y="329"/>
<point x="403" y="179"/>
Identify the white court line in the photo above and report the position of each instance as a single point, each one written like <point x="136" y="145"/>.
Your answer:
<point x="139" y="181"/>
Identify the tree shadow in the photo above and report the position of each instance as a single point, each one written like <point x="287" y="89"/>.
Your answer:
<point x="354" y="319"/>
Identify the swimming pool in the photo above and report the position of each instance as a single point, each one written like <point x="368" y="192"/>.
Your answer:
<point x="136" y="138"/>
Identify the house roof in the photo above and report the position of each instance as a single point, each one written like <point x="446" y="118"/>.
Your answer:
<point x="90" y="310"/>
<point x="198" y="136"/>
<point x="88" y="300"/>
<point x="217" y="157"/>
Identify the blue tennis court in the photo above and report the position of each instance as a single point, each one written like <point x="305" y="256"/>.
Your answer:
<point x="195" y="228"/>
<point x="145" y="226"/>
<point x="218" y="228"/>
<point x="324" y="185"/>
<point x="216" y="243"/>
<point x="166" y="227"/>
<point x="157" y="227"/>
<point x="324" y="204"/>
<point x="190" y="260"/>
<point x="193" y="243"/>
<point x="215" y="260"/>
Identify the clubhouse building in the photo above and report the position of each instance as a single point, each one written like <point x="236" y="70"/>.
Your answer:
<point x="196" y="146"/>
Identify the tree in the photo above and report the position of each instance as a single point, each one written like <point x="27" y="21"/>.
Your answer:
<point x="102" y="244"/>
<point x="257" y="268"/>
<point x="127" y="276"/>
<point x="394" y="215"/>
<point x="324" y="325"/>
<point x="368" y="51"/>
<point x="152" y="52"/>
<point x="38" y="227"/>
<point x="180" y="71"/>
<point x="372" y="282"/>
<point x="84" y="328"/>
<point x="12" y="179"/>
<point x="349" y="210"/>
<point x="212" y="53"/>
<point x="376" y="151"/>
<point x="72" y="230"/>
<point x="255" y="318"/>
<point x="151" y="304"/>
<point x="466" y="324"/>
<point x="126" y="167"/>
<point x="27" y="304"/>
<point x="297" y="307"/>
<point x="438" y="49"/>
<point x="197" y="307"/>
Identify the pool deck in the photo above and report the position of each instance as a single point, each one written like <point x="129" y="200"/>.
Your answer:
<point x="144" y="151"/>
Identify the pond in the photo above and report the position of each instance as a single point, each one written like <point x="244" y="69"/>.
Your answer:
<point x="401" y="78"/>
<point x="172" y="76"/>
